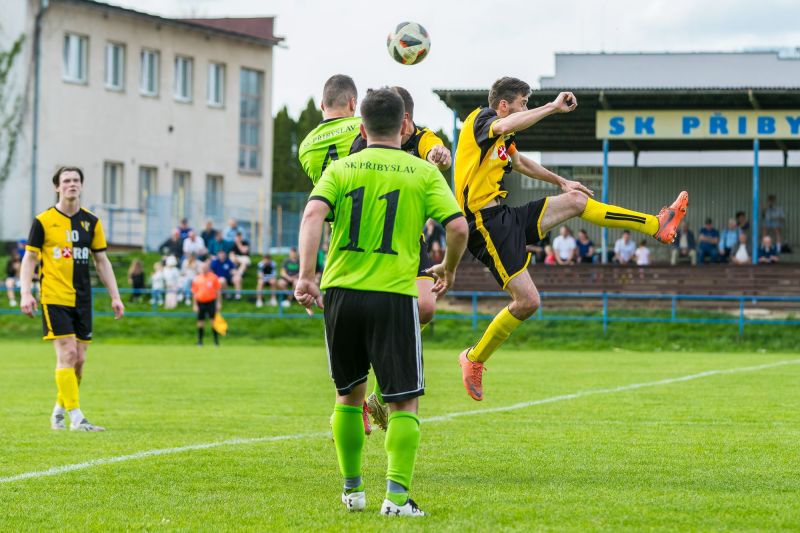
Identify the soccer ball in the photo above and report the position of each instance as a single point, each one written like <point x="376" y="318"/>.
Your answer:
<point x="409" y="43"/>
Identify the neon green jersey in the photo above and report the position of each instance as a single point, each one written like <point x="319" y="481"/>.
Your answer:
<point x="380" y="197"/>
<point x="327" y="142"/>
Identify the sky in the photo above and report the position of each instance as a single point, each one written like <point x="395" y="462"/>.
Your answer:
<point x="474" y="42"/>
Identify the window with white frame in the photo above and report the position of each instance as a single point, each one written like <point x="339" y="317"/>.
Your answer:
<point x="149" y="78"/>
<point x="183" y="78"/>
<point x="214" y="196"/>
<point x="250" y="111"/>
<point x="182" y="194"/>
<point x="76" y="58"/>
<point x="115" y="66"/>
<point x="148" y="185"/>
<point x="216" y="84"/>
<point x="112" y="183"/>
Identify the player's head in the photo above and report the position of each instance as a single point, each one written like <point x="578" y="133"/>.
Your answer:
<point x="68" y="182"/>
<point x="383" y="114"/>
<point x="408" y="102"/>
<point x="339" y="95"/>
<point x="509" y="95"/>
<point x="293" y="253"/>
<point x="626" y="235"/>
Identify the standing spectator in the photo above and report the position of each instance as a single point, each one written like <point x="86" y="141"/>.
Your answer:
<point x="225" y="270"/>
<point x="194" y="245"/>
<point x="741" y="256"/>
<point x="184" y="228"/>
<point x="208" y="233"/>
<point x="240" y="253"/>
<point x="157" y="284"/>
<point x="768" y="252"/>
<point x="136" y="279"/>
<point x="267" y="275"/>
<point x="708" y="243"/>
<point x="12" y="277"/>
<point x="565" y="247"/>
<point x="233" y="228"/>
<point x="742" y="222"/>
<point x="772" y="221"/>
<point x="585" y="247"/>
<point x="172" y="281"/>
<point x="189" y="269"/>
<point x="219" y="244"/>
<point x="684" y="245"/>
<point x="642" y="253"/>
<point x="206" y="301"/>
<point x="173" y="245"/>
<point x="624" y="248"/>
<point x="728" y="241"/>
<point x="433" y="233"/>
<point x="290" y="272"/>
<point x="549" y="255"/>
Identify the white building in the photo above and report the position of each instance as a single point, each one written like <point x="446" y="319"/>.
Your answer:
<point x="168" y="118"/>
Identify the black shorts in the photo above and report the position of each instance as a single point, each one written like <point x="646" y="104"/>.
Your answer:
<point x="424" y="260"/>
<point x="498" y="236"/>
<point x="61" y="321"/>
<point x="206" y="309"/>
<point x="377" y="329"/>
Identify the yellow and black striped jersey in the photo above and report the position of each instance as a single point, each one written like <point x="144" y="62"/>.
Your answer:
<point x="482" y="161"/>
<point x="63" y="244"/>
<point x="419" y="144"/>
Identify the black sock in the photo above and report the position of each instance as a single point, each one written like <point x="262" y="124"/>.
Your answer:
<point x="200" y="332"/>
<point x="216" y="336"/>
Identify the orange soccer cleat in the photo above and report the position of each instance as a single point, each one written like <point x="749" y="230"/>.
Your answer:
<point x="365" y="419"/>
<point x="670" y="217"/>
<point x="471" y="375"/>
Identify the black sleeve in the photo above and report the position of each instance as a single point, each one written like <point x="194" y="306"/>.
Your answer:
<point x="36" y="236"/>
<point x="482" y="125"/>
<point x="359" y="143"/>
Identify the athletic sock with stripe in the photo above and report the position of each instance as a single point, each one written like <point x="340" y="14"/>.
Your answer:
<point x="612" y="216"/>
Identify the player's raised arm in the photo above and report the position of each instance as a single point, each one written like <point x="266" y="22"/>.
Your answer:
<point x="106" y="274"/>
<point x="518" y="121"/>
<point x="306" y="290"/>
<point x="532" y="169"/>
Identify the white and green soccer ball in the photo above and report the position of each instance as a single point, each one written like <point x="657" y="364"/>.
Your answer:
<point x="409" y="43"/>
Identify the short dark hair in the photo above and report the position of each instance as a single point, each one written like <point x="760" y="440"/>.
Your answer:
<point x="408" y="102"/>
<point x="507" y="88"/>
<point x="57" y="175"/>
<point x="382" y="112"/>
<point x="338" y="90"/>
<point x="740" y="214"/>
<point x="709" y="221"/>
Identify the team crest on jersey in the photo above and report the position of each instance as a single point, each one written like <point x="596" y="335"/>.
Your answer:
<point x="66" y="252"/>
<point x="501" y="153"/>
<point x="85" y="225"/>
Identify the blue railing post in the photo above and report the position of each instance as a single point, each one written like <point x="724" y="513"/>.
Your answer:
<point x="604" y="238"/>
<point x="741" y="316"/>
<point x="754" y="216"/>
<point x="605" y="313"/>
<point x="674" y="307"/>
<point x="474" y="311"/>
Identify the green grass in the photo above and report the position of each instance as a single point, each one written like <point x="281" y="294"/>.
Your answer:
<point x="715" y="453"/>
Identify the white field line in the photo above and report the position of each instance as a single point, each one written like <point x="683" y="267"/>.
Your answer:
<point x="56" y="470"/>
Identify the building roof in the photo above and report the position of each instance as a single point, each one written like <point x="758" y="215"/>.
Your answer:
<point x="575" y="131"/>
<point x="258" y="30"/>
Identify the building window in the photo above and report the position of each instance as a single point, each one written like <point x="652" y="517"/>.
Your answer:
<point x="115" y="66"/>
<point x="149" y="80"/>
<point x="183" y="78"/>
<point x="112" y="183"/>
<point x="148" y="185"/>
<point x="216" y="84"/>
<point x="251" y="83"/>
<point x="76" y="60"/>
<point x="182" y="194"/>
<point x="214" y="196"/>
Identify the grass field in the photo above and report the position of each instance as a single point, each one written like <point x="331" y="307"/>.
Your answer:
<point x="606" y="441"/>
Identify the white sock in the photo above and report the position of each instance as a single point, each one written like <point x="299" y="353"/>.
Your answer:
<point x="75" y="416"/>
<point x="58" y="410"/>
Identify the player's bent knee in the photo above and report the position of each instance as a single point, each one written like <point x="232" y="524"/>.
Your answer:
<point x="577" y="201"/>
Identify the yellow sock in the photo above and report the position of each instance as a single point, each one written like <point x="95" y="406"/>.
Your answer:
<point x="611" y="216"/>
<point x="67" y="387"/>
<point x="495" y="335"/>
<point x="60" y="400"/>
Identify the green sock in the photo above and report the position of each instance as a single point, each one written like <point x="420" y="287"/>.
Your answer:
<point x="377" y="391"/>
<point x="348" y="435"/>
<point x="402" y="441"/>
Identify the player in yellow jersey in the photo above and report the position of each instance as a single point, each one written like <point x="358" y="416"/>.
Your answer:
<point x="498" y="233"/>
<point x="63" y="238"/>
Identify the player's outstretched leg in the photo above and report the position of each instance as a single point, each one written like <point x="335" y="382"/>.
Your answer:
<point x="402" y="441"/>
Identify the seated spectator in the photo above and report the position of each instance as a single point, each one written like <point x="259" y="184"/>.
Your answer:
<point x="642" y="253"/>
<point x="565" y="247"/>
<point x="12" y="277"/>
<point x="742" y="222"/>
<point x="585" y="247"/>
<point x="728" y="241"/>
<point x="240" y="254"/>
<point x="173" y="245"/>
<point x="772" y="219"/>
<point x="434" y="232"/>
<point x="267" y="275"/>
<point x="189" y="270"/>
<point x="172" y="280"/>
<point x="684" y="245"/>
<point x="184" y="228"/>
<point x="708" y="243"/>
<point x="157" y="284"/>
<point x="218" y="244"/>
<point x="208" y="233"/>
<point x="225" y="270"/>
<point x="768" y="252"/>
<point x="232" y="229"/>
<point x="741" y="256"/>
<point x="436" y="254"/>
<point x="549" y="255"/>
<point x="194" y="245"/>
<point x="136" y="279"/>
<point x="538" y="249"/>
<point x="624" y="248"/>
<point x="290" y="273"/>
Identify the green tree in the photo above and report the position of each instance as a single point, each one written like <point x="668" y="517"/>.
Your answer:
<point x="284" y="154"/>
<point x="309" y="119"/>
<point x="10" y="109"/>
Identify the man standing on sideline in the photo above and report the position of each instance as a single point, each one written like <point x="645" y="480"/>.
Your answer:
<point x="63" y="237"/>
<point x="379" y="198"/>
<point x="206" y="300"/>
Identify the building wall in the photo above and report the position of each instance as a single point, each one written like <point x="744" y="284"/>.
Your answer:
<point x="87" y="125"/>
